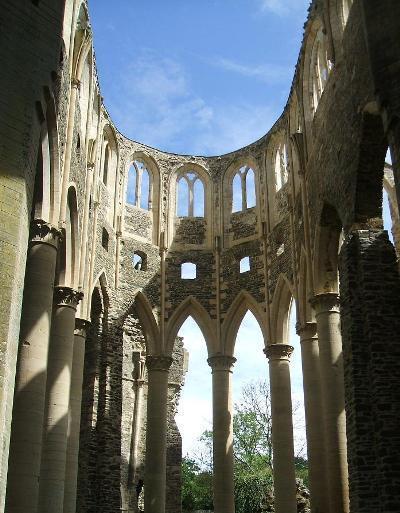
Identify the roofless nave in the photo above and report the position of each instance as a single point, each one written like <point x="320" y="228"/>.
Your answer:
<point x="93" y="297"/>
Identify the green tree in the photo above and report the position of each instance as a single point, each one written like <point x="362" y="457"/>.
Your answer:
<point x="196" y="486"/>
<point x="252" y="448"/>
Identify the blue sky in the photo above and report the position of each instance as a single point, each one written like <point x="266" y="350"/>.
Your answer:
<point x="196" y="77"/>
<point x="202" y="77"/>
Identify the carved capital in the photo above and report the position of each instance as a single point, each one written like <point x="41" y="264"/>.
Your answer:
<point x="43" y="232"/>
<point x="327" y="302"/>
<point x="278" y="352"/>
<point x="81" y="327"/>
<point x="221" y="362"/>
<point x="158" y="362"/>
<point x="65" y="296"/>
<point x="306" y="331"/>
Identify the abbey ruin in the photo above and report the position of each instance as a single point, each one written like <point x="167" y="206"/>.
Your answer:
<point x="95" y="254"/>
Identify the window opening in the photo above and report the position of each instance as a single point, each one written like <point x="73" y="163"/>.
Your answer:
<point x="190" y="197"/>
<point x="106" y="164"/>
<point x="139" y="261"/>
<point x="138" y="191"/>
<point x="281" y="166"/>
<point x="320" y="68"/>
<point x="188" y="271"/>
<point x="244" y="265"/>
<point x="243" y="189"/>
<point x="105" y="239"/>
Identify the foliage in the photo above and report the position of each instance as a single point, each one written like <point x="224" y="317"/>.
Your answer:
<point x="252" y="433"/>
<point x="196" y="487"/>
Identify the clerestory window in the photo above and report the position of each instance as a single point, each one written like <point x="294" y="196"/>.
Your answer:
<point x="320" y="68"/>
<point x="281" y="166"/>
<point x="190" y="197"/>
<point x="188" y="271"/>
<point x="138" y="191"/>
<point x="243" y="189"/>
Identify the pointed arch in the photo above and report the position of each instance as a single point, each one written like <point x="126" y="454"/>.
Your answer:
<point x="101" y="282"/>
<point x="281" y="303"/>
<point x="243" y="303"/>
<point x="148" y="322"/>
<point x="190" y="307"/>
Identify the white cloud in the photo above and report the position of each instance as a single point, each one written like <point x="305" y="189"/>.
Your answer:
<point x="162" y="110"/>
<point x="268" y="73"/>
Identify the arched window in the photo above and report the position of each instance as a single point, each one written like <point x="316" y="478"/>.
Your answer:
<point x="188" y="271"/>
<point x="320" y="68"/>
<point x="138" y="192"/>
<point x="243" y="189"/>
<point x="106" y="164"/>
<point x="190" y="197"/>
<point x="281" y="166"/>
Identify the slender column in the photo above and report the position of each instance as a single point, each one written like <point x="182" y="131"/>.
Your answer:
<point x="75" y="401"/>
<point x="331" y="364"/>
<point x="282" y="428"/>
<point x="223" y="485"/>
<point x="313" y="413"/>
<point x="156" y="436"/>
<point x="30" y="382"/>
<point x="54" y="456"/>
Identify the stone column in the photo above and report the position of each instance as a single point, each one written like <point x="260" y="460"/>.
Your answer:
<point x="75" y="401"/>
<point x="54" y="455"/>
<point x="313" y="414"/>
<point x="331" y="366"/>
<point x="223" y="485"/>
<point x="30" y="382"/>
<point x="282" y="428"/>
<point x="156" y="436"/>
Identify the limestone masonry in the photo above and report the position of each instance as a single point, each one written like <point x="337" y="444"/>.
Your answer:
<point x="108" y="245"/>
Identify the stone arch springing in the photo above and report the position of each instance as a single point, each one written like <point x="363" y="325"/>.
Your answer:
<point x="280" y="309"/>
<point x="69" y="249"/>
<point x="305" y="294"/>
<point x="328" y="239"/>
<point x="191" y="308"/>
<point x="149" y="324"/>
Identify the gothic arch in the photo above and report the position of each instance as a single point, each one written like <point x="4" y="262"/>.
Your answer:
<point x="149" y="325"/>
<point x="102" y="281"/>
<point x="280" y="311"/>
<point x="190" y="307"/>
<point x="243" y="303"/>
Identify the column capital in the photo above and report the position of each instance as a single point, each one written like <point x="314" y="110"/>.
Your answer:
<point x="43" y="232"/>
<point x="221" y="362"/>
<point x="307" y="330"/>
<point x="326" y="302"/>
<point x="158" y="362"/>
<point x="66" y="296"/>
<point x="81" y="327"/>
<point x="75" y="82"/>
<point x="278" y="352"/>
